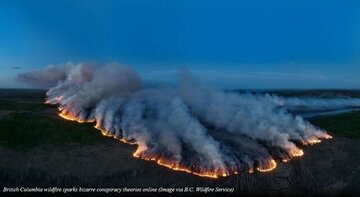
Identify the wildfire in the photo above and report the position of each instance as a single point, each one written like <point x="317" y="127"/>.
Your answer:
<point x="297" y="153"/>
<point x="312" y="141"/>
<point x="175" y="165"/>
<point x="327" y="136"/>
<point x="141" y="148"/>
<point x="210" y="174"/>
<point x="68" y="116"/>
<point x="316" y="140"/>
<point x="271" y="166"/>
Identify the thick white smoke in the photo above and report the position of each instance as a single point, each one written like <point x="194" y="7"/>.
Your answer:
<point x="193" y="127"/>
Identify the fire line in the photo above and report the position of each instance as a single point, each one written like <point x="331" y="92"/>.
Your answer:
<point x="175" y="166"/>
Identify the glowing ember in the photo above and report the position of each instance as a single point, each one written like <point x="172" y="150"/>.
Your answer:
<point x="69" y="116"/>
<point x="297" y="153"/>
<point x="141" y="148"/>
<point x="314" y="141"/>
<point x="327" y="136"/>
<point x="176" y="167"/>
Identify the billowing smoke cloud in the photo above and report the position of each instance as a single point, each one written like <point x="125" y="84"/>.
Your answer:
<point x="191" y="128"/>
<point x="47" y="77"/>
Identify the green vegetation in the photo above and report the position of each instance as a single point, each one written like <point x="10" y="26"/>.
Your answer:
<point x="347" y="125"/>
<point x="23" y="106"/>
<point x="22" y="94"/>
<point x="30" y="124"/>
<point x="7" y="105"/>
<point x="23" y="100"/>
<point x="22" y="131"/>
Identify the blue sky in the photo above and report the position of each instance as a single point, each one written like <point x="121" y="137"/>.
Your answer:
<point x="227" y="44"/>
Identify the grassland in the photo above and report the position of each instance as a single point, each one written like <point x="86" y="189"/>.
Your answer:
<point x="25" y="130"/>
<point x="347" y="125"/>
<point x="29" y="123"/>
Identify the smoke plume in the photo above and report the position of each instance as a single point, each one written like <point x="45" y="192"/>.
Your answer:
<point x="191" y="128"/>
<point x="47" y="77"/>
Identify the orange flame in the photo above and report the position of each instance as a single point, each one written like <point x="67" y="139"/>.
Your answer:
<point x="316" y="140"/>
<point x="68" y="116"/>
<point x="271" y="166"/>
<point x="327" y="136"/>
<point x="297" y="153"/>
<point x="177" y="167"/>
